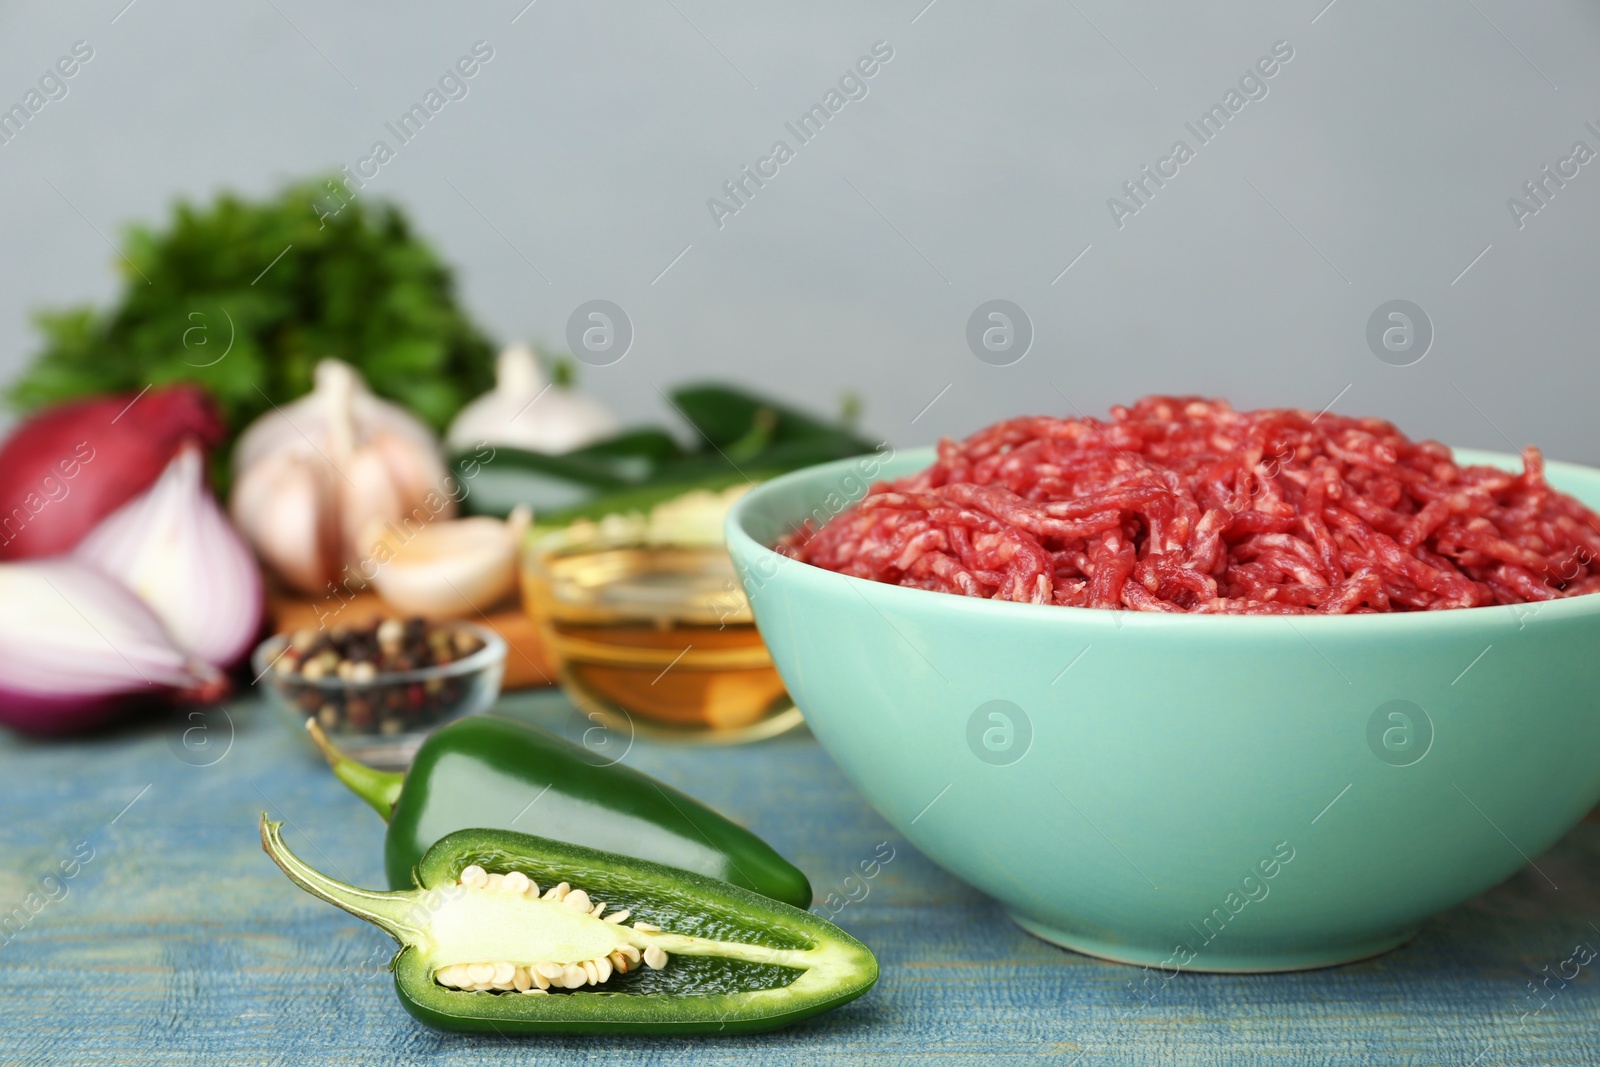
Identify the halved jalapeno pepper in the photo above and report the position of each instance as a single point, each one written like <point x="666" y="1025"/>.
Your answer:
<point x="512" y="933"/>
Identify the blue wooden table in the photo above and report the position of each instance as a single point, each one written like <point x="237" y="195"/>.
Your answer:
<point x="176" y="941"/>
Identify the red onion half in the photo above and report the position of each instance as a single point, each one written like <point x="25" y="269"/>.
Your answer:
<point x="68" y="467"/>
<point x="173" y="546"/>
<point x="76" y="648"/>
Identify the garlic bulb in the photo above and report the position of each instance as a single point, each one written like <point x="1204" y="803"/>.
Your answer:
<point x="449" y="569"/>
<point x="313" y="476"/>
<point x="524" y="410"/>
<point x="173" y="547"/>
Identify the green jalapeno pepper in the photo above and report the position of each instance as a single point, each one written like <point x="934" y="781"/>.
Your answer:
<point x="512" y="933"/>
<point x="484" y="771"/>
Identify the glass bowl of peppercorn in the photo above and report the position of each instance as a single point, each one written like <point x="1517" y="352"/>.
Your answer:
<point x="379" y="688"/>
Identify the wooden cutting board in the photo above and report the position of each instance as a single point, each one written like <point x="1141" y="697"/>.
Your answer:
<point x="527" y="662"/>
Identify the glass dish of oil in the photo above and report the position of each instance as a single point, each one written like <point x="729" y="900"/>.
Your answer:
<point x="656" y="638"/>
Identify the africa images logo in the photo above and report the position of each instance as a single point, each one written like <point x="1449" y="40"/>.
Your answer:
<point x="52" y="86"/>
<point x="452" y="86"/>
<point x="852" y="85"/>
<point x="1252" y="85"/>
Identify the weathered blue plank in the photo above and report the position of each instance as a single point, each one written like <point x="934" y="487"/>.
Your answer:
<point x="180" y="943"/>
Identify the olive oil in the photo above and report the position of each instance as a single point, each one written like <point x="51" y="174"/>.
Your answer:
<point x="661" y="632"/>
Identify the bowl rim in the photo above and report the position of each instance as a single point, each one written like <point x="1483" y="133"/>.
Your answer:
<point x="493" y="651"/>
<point x="741" y="543"/>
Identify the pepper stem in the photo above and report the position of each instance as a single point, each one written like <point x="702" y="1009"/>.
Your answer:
<point x="381" y="789"/>
<point x="387" y="911"/>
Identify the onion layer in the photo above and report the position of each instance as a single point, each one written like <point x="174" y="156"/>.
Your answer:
<point x="68" y="467"/>
<point x="76" y="648"/>
<point x="174" y="548"/>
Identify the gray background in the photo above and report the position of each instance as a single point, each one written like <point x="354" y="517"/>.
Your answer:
<point x="978" y="167"/>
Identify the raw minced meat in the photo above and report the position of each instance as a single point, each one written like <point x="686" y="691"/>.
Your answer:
<point x="1181" y="504"/>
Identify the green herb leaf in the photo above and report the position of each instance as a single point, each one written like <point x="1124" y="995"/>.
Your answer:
<point x="245" y="296"/>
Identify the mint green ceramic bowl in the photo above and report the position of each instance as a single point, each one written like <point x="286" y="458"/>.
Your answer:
<point x="1213" y="793"/>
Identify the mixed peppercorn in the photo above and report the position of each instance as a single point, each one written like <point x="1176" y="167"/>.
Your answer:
<point x="380" y="693"/>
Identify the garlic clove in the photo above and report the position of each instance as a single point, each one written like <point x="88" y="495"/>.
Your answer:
<point x="448" y="569"/>
<point x="368" y="495"/>
<point x="419" y="476"/>
<point x="283" y="505"/>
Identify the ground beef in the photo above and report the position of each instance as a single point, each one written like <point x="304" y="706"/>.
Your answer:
<point x="1183" y="504"/>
